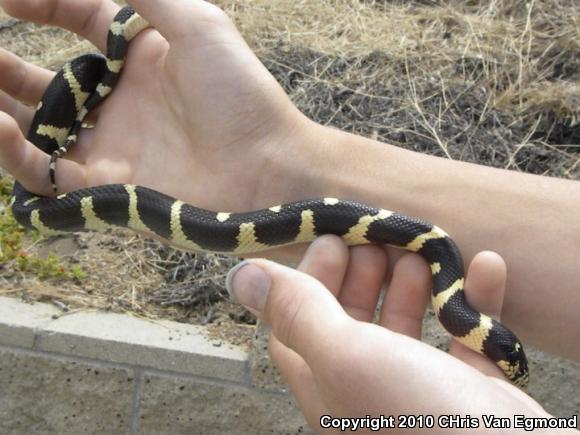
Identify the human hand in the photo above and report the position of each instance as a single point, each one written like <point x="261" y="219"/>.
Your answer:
<point x="338" y="363"/>
<point x="194" y="103"/>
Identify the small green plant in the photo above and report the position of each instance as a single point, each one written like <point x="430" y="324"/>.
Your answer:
<point x="50" y="267"/>
<point x="10" y="232"/>
<point x="12" y="237"/>
<point x="5" y="188"/>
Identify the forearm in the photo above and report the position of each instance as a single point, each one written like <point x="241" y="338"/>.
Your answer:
<point x="532" y="221"/>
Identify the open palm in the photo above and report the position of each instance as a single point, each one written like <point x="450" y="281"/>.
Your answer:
<point x="194" y="104"/>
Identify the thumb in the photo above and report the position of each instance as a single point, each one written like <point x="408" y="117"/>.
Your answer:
<point x="304" y="315"/>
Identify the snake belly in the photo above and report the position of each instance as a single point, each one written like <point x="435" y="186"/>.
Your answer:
<point x="87" y="80"/>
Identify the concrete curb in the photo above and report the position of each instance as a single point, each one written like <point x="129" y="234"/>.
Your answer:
<point x="102" y="373"/>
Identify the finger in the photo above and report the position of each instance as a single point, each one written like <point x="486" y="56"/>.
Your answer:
<point x="22" y="80"/>
<point x="484" y="289"/>
<point x="304" y="315"/>
<point x="364" y="279"/>
<point x="23" y="116"/>
<point x="407" y="296"/>
<point x="29" y="165"/>
<point x="90" y="19"/>
<point x="326" y="260"/>
<point x="19" y="112"/>
<point x="299" y="378"/>
<point x="176" y="19"/>
<point x="485" y="283"/>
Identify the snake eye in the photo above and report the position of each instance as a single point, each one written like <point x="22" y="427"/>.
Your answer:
<point x="515" y="352"/>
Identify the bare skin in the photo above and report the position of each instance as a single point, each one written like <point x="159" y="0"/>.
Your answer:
<point x="348" y="366"/>
<point x="206" y="116"/>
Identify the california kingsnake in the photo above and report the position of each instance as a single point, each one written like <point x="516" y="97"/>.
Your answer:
<point x="85" y="81"/>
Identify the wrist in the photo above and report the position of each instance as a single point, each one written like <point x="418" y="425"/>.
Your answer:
<point x="314" y="161"/>
<point x="338" y="164"/>
<point x="296" y="164"/>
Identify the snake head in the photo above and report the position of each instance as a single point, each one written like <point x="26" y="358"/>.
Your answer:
<point x="515" y="365"/>
<point x="520" y="363"/>
<point x="504" y="348"/>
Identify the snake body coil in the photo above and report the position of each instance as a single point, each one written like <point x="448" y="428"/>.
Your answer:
<point x="85" y="81"/>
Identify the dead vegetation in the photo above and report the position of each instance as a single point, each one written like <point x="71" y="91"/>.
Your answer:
<point x="494" y="82"/>
<point x="491" y="82"/>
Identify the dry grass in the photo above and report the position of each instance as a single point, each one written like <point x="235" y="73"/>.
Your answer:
<point x="514" y="66"/>
<point x="494" y="82"/>
<point x="517" y="44"/>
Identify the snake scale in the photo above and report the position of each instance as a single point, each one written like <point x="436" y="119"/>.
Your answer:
<point x="84" y="82"/>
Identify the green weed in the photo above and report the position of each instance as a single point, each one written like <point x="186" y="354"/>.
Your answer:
<point x="11" y="245"/>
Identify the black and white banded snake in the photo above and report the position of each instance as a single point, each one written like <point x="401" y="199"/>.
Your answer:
<point x="87" y="80"/>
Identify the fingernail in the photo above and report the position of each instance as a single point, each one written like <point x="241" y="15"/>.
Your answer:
<point x="249" y="285"/>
